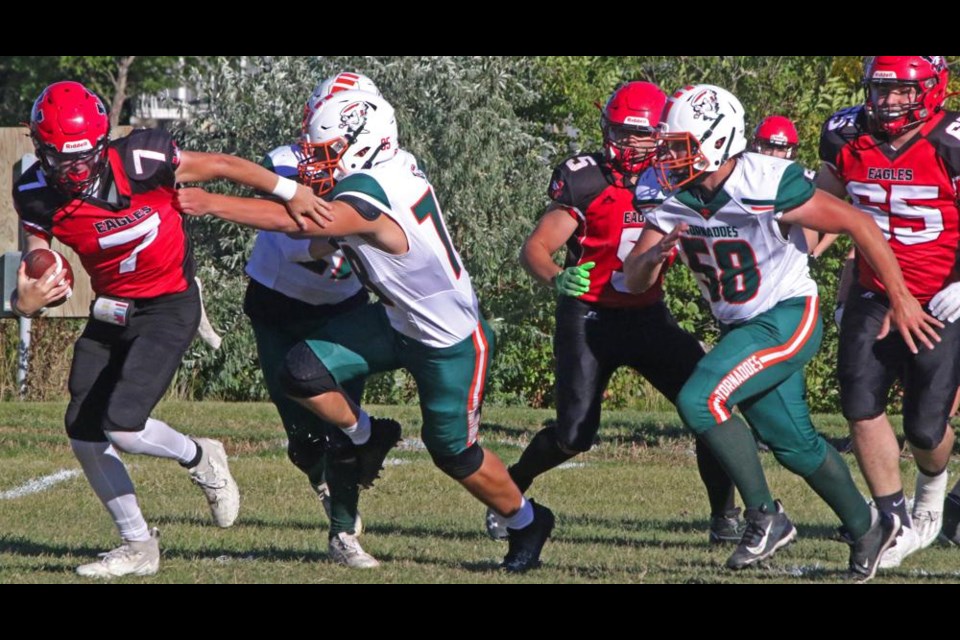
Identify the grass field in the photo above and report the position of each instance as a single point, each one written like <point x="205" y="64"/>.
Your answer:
<point x="630" y="511"/>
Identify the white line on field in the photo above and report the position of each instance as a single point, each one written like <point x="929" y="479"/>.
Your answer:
<point x="36" y="485"/>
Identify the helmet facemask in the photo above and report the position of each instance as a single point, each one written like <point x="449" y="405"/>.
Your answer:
<point x="680" y="162"/>
<point x="897" y="106"/>
<point x="73" y="173"/>
<point x="319" y="165"/>
<point x="629" y="148"/>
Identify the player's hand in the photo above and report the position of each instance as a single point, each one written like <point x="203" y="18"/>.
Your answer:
<point x="574" y="281"/>
<point x="33" y="294"/>
<point x="912" y="322"/>
<point x="946" y="304"/>
<point x="193" y="201"/>
<point x="661" y="251"/>
<point x="306" y="204"/>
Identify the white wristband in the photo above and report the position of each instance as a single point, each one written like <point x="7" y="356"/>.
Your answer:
<point x="286" y="189"/>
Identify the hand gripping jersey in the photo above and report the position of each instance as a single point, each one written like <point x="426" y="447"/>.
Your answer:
<point x="426" y="291"/>
<point x="129" y="235"/>
<point x="911" y="193"/>
<point x="608" y="225"/>
<point x="735" y="246"/>
<point x="284" y="264"/>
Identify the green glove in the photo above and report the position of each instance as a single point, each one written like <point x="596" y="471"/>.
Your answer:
<point x="574" y="281"/>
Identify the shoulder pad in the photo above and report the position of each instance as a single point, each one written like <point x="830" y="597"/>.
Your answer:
<point x="945" y="138"/>
<point x="577" y="180"/>
<point x="284" y="160"/>
<point x="839" y="129"/>
<point x="149" y="156"/>
<point x="34" y="199"/>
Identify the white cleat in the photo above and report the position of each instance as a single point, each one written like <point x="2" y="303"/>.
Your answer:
<point x="907" y="542"/>
<point x="346" y="550"/>
<point x="213" y="477"/>
<point x="323" y="492"/>
<point x="130" y="558"/>
<point x="927" y="524"/>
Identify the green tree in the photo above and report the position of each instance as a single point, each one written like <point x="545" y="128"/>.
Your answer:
<point x="113" y="78"/>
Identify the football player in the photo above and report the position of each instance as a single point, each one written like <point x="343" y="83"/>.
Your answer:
<point x="389" y="225"/>
<point x="897" y="156"/>
<point x="114" y="202"/>
<point x="291" y="294"/>
<point x="737" y="218"/>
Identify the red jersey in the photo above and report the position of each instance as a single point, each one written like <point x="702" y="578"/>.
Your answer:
<point x="608" y="226"/>
<point x="910" y="192"/>
<point x="129" y="236"/>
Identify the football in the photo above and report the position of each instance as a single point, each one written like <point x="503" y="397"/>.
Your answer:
<point x="39" y="260"/>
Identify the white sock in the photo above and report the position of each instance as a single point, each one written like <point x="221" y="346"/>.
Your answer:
<point x="359" y="433"/>
<point x="930" y="492"/>
<point x="112" y="484"/>
<point x="521" y="518"/>
<point x="157" y="439"/>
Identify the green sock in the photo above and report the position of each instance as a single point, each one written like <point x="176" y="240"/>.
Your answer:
<point x="833" y="483"/>
<point x="733" y="445"/>
<point x="342" y="478"/>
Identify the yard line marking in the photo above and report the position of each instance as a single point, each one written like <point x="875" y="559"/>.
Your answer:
<point x="36" y="485"/>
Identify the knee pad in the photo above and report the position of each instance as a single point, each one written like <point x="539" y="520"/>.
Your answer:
<point x="928" y="436"/>
<point x="303" y="375"/>
<point x="461" y="465"/>
<point x="305" y="454"/>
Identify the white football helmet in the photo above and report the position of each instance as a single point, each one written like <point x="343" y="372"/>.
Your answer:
<point x="349" y="131"/>
<point x="702" y="127"/>
<point x="343" y="81"/>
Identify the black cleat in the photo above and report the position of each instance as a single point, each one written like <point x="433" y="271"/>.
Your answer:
<point x="728" y="528"/>
<point x="527" y="543"/>
<point x="866" y="552"/>
<point x="764" y="534"/>
<point x="384" y="436"/>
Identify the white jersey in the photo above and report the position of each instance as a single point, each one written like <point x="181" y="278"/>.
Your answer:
<point x="426" y="291"/>
<point x="735" y="245"/>
<point x="284" y="264"/>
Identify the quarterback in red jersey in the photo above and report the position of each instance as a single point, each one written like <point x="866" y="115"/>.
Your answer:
<point x="115" y="204"/>
<point x="897" y="156"/>
<point x="598" y="208"/>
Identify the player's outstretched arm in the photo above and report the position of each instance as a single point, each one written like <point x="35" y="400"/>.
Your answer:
<point x="827" y="213"/>
<point x="268" y="215"/>
<point x="302" y="203"/>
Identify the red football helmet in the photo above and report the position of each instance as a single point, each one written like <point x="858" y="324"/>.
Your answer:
<point x="775" y="135"/>
<point x="633" y="110"/>
<point x="904" y="91"/>
<point x="70" y="130"/>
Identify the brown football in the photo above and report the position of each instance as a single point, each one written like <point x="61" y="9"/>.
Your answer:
<point x="39" y="260"/>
